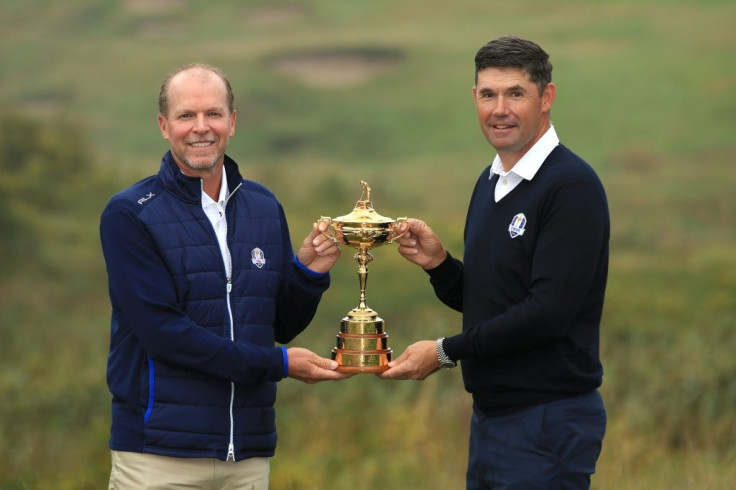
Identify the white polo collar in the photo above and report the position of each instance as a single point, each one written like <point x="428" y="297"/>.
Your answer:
<point x="532" y="160"/>
<point x="224" y="193"/>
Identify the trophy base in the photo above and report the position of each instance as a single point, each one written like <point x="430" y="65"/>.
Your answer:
<point x="357" y="362"/>
<point x="362" y="344"/>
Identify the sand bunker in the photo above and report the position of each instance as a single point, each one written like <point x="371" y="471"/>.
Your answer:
<point x="337" y="67"/>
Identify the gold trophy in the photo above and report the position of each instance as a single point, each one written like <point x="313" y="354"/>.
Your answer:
<point x="362" y="343"/>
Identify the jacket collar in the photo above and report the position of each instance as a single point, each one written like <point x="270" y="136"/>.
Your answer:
<point x="190" y="188"/>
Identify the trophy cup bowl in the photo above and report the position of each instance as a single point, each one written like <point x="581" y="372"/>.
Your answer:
<point x="362" y="342"/>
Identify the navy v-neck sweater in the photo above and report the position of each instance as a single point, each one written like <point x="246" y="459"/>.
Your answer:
<point x="531" y="287"/>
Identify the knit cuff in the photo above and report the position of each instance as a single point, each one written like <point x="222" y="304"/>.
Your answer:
<point x="286" y="362"/>
<point x="308" y="270"/>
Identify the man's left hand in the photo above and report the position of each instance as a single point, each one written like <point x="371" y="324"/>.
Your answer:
<point x="319" y="252"/>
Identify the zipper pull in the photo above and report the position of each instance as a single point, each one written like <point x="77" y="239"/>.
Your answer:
<point x="229" y="284"/>
<point x="231" y="452"/>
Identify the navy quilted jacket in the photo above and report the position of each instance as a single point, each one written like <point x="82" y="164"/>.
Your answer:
<point x="193" y="364"/>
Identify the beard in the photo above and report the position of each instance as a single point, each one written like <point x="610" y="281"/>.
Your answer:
<point x="202" y="165"/>
<point x="203" y="162"/>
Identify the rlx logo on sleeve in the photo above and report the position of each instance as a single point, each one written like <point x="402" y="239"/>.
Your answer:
<point x="146" y="198"/>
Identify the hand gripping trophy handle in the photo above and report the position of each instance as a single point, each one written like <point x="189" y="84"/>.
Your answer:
<point x="362" y="343"/>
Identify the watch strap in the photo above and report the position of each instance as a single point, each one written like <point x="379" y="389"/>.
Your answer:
<point x="442" y="357"/>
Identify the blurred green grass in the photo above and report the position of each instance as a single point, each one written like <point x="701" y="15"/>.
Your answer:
<point x="645" y="94"/>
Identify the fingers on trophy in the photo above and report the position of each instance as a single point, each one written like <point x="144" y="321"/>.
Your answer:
<point x="362" y="342"/>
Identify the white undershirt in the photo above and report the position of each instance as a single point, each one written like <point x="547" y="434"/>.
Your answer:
<point x="215" y="211"/>
<point x="526" y="167"/>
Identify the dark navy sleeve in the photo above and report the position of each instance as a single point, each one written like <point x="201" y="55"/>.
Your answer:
<point x="447" y="281"/>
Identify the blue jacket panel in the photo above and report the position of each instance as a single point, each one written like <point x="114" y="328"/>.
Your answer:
<point x="193" y="363"/>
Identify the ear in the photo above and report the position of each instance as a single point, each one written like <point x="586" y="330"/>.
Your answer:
<point x="548" y="96"/>
<point x="163" y="126"/>
<point x="233" y="118"/>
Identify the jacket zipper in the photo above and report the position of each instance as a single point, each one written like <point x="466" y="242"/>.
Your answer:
<point x="231" y="446"/>
<point x="229" y="271"/>
<point x="229" y="288"/>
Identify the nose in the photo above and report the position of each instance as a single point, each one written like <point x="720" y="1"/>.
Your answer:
<point x="501" y="107"/>
<point x="200" y="125"/>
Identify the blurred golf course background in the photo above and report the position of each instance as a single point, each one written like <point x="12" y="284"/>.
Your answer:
<point x="329" y="93"/>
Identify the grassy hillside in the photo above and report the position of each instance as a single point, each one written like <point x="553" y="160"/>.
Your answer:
<point x="329" y="93"/>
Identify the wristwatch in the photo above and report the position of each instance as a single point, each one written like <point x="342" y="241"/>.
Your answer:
<point x="445" y="362"/>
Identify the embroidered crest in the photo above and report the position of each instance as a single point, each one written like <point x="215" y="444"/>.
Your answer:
<point x="517" y="226"/>
<point x="257" y="257"/>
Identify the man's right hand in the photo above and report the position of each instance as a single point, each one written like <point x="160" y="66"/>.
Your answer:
<point x="419" y="244"/>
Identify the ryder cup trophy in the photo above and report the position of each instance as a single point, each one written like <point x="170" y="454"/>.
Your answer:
<point x="362" y="343"/>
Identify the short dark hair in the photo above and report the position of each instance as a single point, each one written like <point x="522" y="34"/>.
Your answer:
<point x="514" y="52"/>
<point x="163" y="93"/>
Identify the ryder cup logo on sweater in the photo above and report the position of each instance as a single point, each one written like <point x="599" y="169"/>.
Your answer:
<point x="257" y="257"/>
<point x="517" y="225"/>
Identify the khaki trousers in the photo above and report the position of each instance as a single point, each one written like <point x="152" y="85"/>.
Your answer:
<point x="153" y="472"/>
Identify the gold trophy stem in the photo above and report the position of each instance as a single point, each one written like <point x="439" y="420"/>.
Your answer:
<point x="363" y="257"/>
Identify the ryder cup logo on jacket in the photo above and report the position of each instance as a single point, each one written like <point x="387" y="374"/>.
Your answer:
<point x="517" y="225"/>
<point x="257" y="257"/>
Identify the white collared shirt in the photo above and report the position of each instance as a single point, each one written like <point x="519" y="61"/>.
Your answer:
<point x="215" y="211"/>
<point x="526" y="167"/>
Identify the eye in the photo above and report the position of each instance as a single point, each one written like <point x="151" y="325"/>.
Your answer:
<point x="517" y="94"/>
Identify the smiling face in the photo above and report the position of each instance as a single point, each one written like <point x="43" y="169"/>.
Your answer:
<point x="198" y="123"/>
<point x="512" y="113"/>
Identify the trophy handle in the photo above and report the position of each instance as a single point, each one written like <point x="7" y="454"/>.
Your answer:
<point x="325" y="233"/>
<point x="395" y="224"/>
